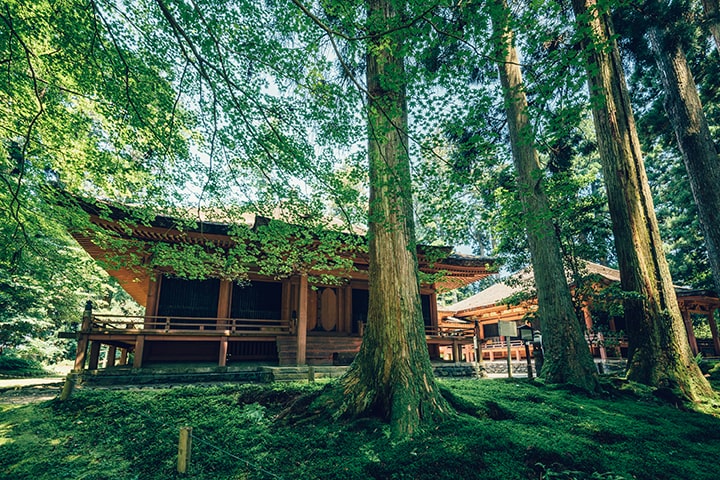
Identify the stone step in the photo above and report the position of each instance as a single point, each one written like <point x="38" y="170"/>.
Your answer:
<point x="149" y="376"/>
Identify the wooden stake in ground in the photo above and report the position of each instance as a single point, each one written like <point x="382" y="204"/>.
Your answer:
<point x="184" y="449"/>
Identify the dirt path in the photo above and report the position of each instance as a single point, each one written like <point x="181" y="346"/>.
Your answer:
<point x="19" y="391"/>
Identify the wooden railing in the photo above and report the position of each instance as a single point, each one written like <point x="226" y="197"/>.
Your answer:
<point x="445" y="331"/>
<point x="496" y="343"/>
<point x="239" y="326"/>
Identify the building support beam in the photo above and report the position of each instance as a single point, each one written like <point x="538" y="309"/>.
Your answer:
<point x="83" y="337"/>
<point x="302" y="321"/>
<point x="590" y="326"/>
<point x="223" y="310"/>
<point x="139" y="349"/>
<point x="81" y="352"/>
<point x="152" y="298"/>
<point x="110" y="359"/>
<point x="222" y="360"/>
<point x="348" y="309"/>
<point x="94" y="355"/>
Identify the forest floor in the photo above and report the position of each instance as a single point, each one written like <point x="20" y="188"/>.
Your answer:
<point x="504" y="429"/>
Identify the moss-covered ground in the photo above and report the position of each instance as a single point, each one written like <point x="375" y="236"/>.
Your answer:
<point x="505" y="429"/>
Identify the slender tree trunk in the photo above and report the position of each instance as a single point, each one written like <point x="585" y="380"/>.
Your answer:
<point x="391" y="376"/>
<point x="567" y="356"/>
<point x="712" y="17"/>
<point x="659" y="353"/>
<point x="685" y="111"/>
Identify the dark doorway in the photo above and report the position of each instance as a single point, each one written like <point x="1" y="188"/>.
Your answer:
<point x="257" y="300"/>
<point x="189" y="298"/>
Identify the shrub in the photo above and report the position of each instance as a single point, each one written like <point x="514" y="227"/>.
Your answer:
<point x="11" y="365"/>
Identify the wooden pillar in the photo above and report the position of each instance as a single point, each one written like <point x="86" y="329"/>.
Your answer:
<point x="222" y="359"/>
<point x="139" y="349"/>
<point x="84" y="337"/>
<point x="348" y="308"/>
<point x="154" y="286"/>
<point x="456" y="352"/>
<point x="123" y="356"/>
<point x="94" y="355"/>
<point x="690" y="331"/>
<point x="223" y="310"/>
<point x="110" y="360"/>
<point x="285" y="306"/>
<point x="81" y="352"/>
<point x="714" y="331"/>
<point x="302" y="321"/>
<point x="613" y="328"/>
<point x="589" y="325"/>
<point x="434" y="318"/>
<point x="587" y="317"/>
<point x="603" y="352"/>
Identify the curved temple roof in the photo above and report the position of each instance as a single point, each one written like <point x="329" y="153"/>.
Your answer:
<point x="454" y="270"/>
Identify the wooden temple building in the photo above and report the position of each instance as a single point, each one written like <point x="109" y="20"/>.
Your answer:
<point x="491" y="306"/>
<point x="286" y="321"/>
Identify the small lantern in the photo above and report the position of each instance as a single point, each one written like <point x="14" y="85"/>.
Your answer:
<point x="525" y="332"/>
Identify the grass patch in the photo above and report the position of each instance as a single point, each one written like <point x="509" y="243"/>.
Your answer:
<point x="506" y="429"/>
<point x="16" y="367"/>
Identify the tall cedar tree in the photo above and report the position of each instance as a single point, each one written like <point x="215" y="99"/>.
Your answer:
<point x="567" y="357"/>
<point x="659" y="353"/>
<point x="712" y="18"/>
<point x="391" y="376"/>
<point x="685" y="111"/>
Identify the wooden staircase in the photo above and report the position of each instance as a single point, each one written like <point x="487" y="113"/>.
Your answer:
<point x="320" y="350"/>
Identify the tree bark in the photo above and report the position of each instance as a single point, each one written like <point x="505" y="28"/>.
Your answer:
<point x="659" y="354"/>
<point x="683" y="106"/>
<point x="712" y="17"/>
<point x="391" y="376"/>
<point x="567" y="356"/>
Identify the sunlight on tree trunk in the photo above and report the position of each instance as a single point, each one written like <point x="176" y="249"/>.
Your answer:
<point x="685" y="111"/>
<point x="567" y="355"/>
<point x="391" y="376"/>
<point x="659" y="354"/>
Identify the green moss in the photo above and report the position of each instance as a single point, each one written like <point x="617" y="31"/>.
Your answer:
<point x="537" y="431"/>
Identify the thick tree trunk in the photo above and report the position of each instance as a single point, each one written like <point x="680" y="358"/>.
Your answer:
<point x="685" y="111"/>
<point x="567" y="356"/>
<point x="659" y="353"/>
<point x="712" y="17"/>
<point x="391" y="376"/>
